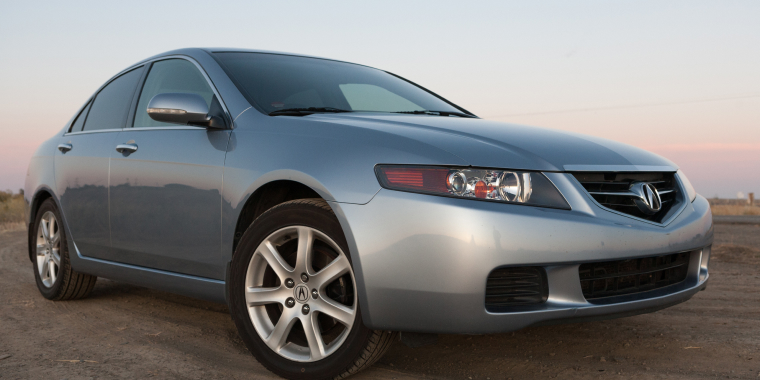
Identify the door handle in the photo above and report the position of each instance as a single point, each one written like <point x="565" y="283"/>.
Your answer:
<point x="65" y="147"/>
<point x="126" y="148"/>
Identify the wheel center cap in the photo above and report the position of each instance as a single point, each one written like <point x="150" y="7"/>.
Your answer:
<point x="301" y="293"/>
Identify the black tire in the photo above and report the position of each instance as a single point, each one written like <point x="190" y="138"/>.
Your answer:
<point x="362" y="347"/>
<point x="69" y="284"/>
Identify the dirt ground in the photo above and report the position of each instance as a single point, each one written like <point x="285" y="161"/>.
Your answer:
<point x="124" y="331"/>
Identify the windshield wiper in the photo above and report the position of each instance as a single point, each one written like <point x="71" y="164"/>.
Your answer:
<point x="436" y="113"/>
<point x="305" y="111"/>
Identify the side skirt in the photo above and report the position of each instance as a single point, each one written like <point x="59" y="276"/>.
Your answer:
<point x="186" y="285"/>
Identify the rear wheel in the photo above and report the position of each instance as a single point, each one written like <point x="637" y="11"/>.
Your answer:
<point x="293" y="295"/>
<point x="52" y="269"/>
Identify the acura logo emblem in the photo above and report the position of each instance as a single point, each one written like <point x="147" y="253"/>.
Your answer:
<point x="301" y="293"/>
<point x="647" y="198"/>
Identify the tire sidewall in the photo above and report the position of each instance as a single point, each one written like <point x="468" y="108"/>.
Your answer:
<point x="286" y="215"/>
<point x="54" y="291"/>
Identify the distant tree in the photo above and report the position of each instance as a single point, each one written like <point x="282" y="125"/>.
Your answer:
<point x="21" y="192"/>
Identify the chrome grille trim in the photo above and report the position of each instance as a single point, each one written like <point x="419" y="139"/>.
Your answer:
<point x="611" y="190"/>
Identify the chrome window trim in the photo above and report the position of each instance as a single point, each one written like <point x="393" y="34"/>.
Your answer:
<point x="71" y="122"/>
<point x="91" y="99"/>
<point x="205" y="76"/>
<point x="95" y="131"/>
<point x="178" y="127"/>
<point x="144" y="63"/>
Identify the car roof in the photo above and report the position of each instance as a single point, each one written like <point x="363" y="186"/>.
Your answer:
<point x="194" y="52"/>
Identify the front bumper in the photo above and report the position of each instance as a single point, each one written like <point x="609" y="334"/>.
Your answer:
<point x="421" y="261"/>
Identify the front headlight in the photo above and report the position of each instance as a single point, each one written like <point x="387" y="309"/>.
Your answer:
<point x="509" y="186"/>
<point x="690" y="192"/>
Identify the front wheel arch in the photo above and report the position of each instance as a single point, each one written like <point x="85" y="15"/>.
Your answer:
<point x="352" y="355"/>
<point x="253" y="208"/>
<point x="266" y="197"/>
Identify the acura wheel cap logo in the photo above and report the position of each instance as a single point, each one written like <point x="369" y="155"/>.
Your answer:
<point x="648" y="198"/>
<point x="301" y="293"/>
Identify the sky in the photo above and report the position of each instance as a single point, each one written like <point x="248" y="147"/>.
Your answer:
<point x="678" y="78"/>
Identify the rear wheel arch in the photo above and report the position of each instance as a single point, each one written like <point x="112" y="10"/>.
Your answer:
<point x="39" y="197"/>
<point x="55" y="278"/>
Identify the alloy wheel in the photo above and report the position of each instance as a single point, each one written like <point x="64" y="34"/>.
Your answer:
<point x="299" y="291"/>
<point x="48" y="249"/>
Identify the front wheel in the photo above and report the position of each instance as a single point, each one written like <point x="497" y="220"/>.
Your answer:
<point x="293" y="295"/>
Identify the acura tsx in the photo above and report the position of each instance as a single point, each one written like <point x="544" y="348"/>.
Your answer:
<point x="332" y="205"/>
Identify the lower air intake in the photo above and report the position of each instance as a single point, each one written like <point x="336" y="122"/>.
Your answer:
<point x="507" y="288"/>
<point x="617" y="278"/>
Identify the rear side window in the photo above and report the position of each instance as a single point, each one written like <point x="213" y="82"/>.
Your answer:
<point x="171" y="75"/>
<point x="109" y="109"/>
<point x="76" y="126"/>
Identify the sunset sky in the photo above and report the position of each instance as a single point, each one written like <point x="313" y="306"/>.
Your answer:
<point x="679" y="78"/>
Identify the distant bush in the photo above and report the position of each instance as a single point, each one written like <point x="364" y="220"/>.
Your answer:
<point x="11" y="210"/>
<point x="735" y="210"/>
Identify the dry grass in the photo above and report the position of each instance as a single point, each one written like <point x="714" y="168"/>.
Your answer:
<point x="735" y="210"/>
<point x="12" y="226"/>
<point x="11" y="211"/>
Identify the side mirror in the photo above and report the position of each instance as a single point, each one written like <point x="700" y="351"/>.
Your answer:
<point x="184" y="109"/>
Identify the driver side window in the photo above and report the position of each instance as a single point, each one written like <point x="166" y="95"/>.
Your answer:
<point x="171" y="75"/>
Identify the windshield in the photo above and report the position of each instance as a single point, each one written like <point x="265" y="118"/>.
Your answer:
<point x="273" y="82"/>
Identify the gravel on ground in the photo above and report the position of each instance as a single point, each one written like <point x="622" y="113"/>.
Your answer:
<point x="125" y="331"/>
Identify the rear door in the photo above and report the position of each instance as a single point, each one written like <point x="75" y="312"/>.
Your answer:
<point x="166" y="195"/>
<point x="82" y="163"/>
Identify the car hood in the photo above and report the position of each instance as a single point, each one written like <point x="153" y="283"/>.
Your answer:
<point x="500" y="145"/>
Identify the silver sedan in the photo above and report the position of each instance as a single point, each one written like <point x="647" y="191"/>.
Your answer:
<point x="333" y="205"/>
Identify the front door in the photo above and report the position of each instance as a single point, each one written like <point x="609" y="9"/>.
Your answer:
<point x="165" y="189"/>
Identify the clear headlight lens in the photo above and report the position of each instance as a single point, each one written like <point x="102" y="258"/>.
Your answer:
<point x="690" y="192"/>
<point x="511" y="186"/>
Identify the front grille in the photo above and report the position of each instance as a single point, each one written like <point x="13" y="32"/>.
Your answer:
<point x="516" y="286"/>
<point x="612" y="190"/>
<point x="617" y="278"/>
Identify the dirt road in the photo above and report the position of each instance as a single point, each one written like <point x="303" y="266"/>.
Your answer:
<point x="123" y="331"/>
